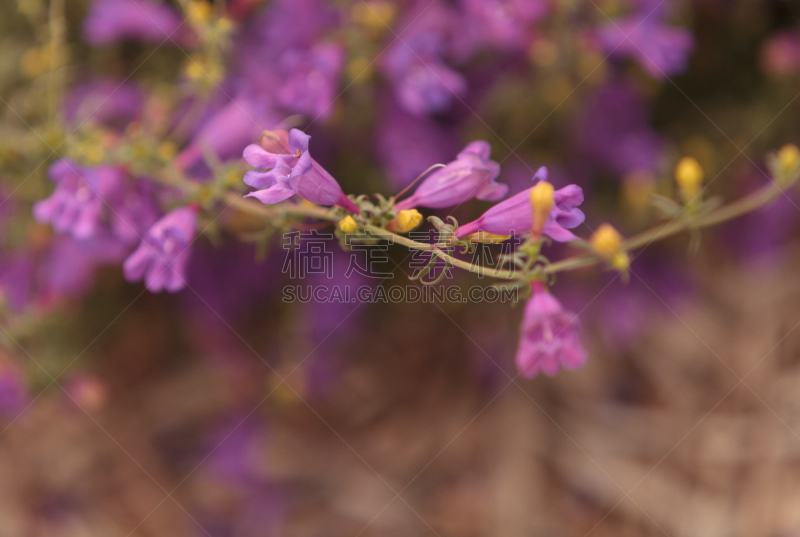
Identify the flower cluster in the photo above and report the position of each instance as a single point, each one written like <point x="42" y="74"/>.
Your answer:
<point x="390" y="91"/>
<point x="205" y="147"/>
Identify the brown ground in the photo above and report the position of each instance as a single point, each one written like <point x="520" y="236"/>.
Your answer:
<point x="706" y="444"/>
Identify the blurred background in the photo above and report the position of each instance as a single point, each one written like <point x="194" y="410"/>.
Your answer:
<point x="222" y="410"/>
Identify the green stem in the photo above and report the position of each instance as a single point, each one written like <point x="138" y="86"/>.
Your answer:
<point x="57" y="29"/>
<point x="733" y="210"/>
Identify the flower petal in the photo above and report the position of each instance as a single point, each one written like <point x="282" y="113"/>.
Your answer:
<point x="558" y="233"/>
<point x="298" y="140"/>
<point x="302" y="166"/>
<point x="258" y="179"/>
<point x="478" y="147"/>
<point x="273" y="194"/>
<point x="568" y="197"/>
<point x="258" y="157"/>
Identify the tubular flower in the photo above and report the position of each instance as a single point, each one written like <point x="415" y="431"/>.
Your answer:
<point x="77" y="204"/>
<point x="162" y="256"/>
<point x="311" y="79"/>
<point x="227" y="131"/>
<point x="515" y="215"/>
<point x="549" y="338"/>
<point x="470" y="175"/>
<point x="109" y="21"/>
<point x="291" y="171"/>
<point x="661" y="50"/>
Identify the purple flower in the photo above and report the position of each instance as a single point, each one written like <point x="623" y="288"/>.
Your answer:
<point x="291" y="171"/>
<point x="408" y="144"/>
<point x="515" y="214"/>
<point x="134" y="210"/>
<point x="503" y="24"/>
<point x="68" y="267"/>
<point x="163" y="254"/>
<point x="311" y="78"/>
<point x="549" y="338"/>
<point x="471" y="175"/>
<point x="227" y="131"/>
<point x="77" y="204"/>
<point x="285" y="25"/>
<point x="660" y="49"/>
<point x="105" y="101"/>
<point x="423" y="83"/>
<point x="297" y="23"/>
<point x="149" y="21"/>
<point x="614" y="131"/>
<point x="96" y="203"/>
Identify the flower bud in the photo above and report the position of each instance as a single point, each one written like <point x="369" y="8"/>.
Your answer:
<point x="607" y="243"/>
<point x="542" y="204"/>
<point x="689" y="176"/>
<point x="348" y="225"/>
<point x="199" y="12"/>
<point x="405" y="221"/>
<point x="788" y="162"/>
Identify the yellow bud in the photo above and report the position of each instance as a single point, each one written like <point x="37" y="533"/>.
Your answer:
<point x="542" y="204"/>
<point x="607" y="242"/>
<point x="194" y="69"/>
<point x="689" y="176"/>
<point x="348" y="225"/>
<point x="167" y="150"/>
<point x="485" y="237"/>
<point x="405" y="221"/>
<point x="199" y="12"/>
<point x="789" y="158"/>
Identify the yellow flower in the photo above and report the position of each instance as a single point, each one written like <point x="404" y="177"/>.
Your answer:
<point x="689" y="176"/>
<point x="199" y="12"/>
<point x="405" y="221"/>
<point x="348" y="225"/>
<point x="789" y="159"/>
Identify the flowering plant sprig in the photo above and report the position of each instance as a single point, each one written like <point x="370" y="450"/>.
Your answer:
<point x="142" y="178"/>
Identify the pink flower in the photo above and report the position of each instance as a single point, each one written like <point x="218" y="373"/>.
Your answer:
<point x="292" y="171"/>
<point x="471" y="175"/>
<point x="549" y="338"/>
<point x="515" y="214"/>
<point x="163" y="255"/>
